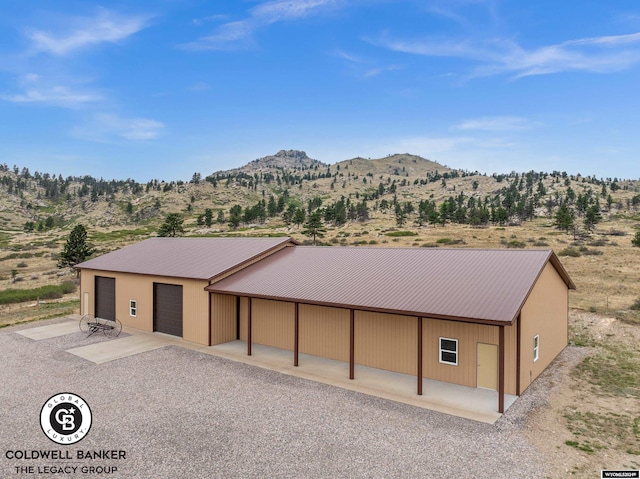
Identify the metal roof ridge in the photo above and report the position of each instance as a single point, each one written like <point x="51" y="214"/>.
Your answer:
<point x="408" y="248"/>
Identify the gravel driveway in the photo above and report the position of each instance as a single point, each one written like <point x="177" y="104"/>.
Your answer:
<point x="181" y="414"/>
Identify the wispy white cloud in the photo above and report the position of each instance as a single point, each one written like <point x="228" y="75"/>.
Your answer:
<point x="109" y="127"/>
<point x="364" y="66"/>
<point x="105" y="27"/>
<point x="209" y="18"/>
<point x="603" y="54"/>
<point x="56" y="96"/>
<point x="239" y="34"/>
<point x="339" y="53"/>
<point x="497" y="123"/>
<point x="374" y="72"/>
<point x="279" y="10"/>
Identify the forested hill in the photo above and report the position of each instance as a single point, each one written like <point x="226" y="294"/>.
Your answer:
<point x="283" y="189"/>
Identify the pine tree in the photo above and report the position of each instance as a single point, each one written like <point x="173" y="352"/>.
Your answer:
<point x="299" y="216"/>
<point x="564" y="218"/>
<point x="592" y="217"/>
<point x="208" y="217"/>
<point x="314" y="227"/>
<point x="172" y="225"/>
<point x="76" y="249"/>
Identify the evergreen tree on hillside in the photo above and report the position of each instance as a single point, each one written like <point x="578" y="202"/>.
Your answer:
<point x="76" y="249"/>
<point x="592" y="217"/>
<point x="208" y="217"/>
<point x="299" y="216"/>
<point x="172" y="226"/>
<point x="314" y="227"/>
<point x="564" y="218"/>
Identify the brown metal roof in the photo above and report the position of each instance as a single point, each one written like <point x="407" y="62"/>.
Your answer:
<point x="466" y="284"/>
<point x="196" y="258"/>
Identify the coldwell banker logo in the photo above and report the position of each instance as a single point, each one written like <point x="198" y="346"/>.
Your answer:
<point x="65" y="418"/>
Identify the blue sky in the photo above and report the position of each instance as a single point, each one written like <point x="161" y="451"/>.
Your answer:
<point x="165" y="88"/>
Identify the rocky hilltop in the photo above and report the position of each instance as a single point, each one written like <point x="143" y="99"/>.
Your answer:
<point x="283" y="160"/>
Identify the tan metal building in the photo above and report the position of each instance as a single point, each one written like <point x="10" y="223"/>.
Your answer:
<point x="480" y="318"/>
<point x="158" y="284"/>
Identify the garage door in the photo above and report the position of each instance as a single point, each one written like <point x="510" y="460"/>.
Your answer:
<point x="167" y="308"/>
<point x="105" y="298"/>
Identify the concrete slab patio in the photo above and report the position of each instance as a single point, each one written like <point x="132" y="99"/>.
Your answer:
<point x="471" y="403"/>
<point x="120" y="348"/>
<point x="51" y="330"/>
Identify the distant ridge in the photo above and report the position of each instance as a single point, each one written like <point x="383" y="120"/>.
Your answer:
<point x="401" y="164"/>
<point x="284" y="159"/>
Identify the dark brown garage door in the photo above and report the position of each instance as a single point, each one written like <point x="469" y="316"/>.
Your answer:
<point x="167" y="308"/>
<point x="105" y="298"/>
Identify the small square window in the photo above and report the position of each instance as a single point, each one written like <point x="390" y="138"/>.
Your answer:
<point x="133" y="308"/>
<point x="448" y="353"/>
<point x="536" y="347"/>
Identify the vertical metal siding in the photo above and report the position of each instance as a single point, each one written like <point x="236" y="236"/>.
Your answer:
<point x="223" y="318"/>
<point x="273" y="323"/>
<point x="140" y="288"/>
<point x="87" y="285"/>
<point x="196" y="310"/>
<point x="386" y="341"/>
<point x="324" y="331"/>
<point x="468" y="335"/>
<point x="544" y="314"/>
<point x="244" y="317"/>
<point x="510" y="340"/>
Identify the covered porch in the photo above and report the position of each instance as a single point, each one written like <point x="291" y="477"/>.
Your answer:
<point x="471" y="403"/>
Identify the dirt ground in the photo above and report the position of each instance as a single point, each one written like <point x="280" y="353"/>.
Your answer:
<point x="549" y="426"/>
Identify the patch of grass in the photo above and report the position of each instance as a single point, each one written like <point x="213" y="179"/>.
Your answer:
<point x="580" y="338"/>
<point x="119" y="234"/>
<point x="55" y="291"/>
<point x="614" y="370"/>
<point x="589" y="252"/>
<point x="22" y="255"/>
<point x="429" y="245"/>
<point x="577" y="445"/>
<point x="603" y="431"/>
<point x="629" y="317"/>
<point x="635" y="306"/>
<point x="573" y="252"/>
<point x="540" y="244"/>
<point x="41" y="312"/>
<point x="4" y="240"/>
<point x="598" y="242"/>
<point x="401" y="233"/>
<point x="449" y="241"/>
<point x="516" y="244"/>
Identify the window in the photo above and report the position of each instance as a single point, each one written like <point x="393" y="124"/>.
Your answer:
<point x="449" y="351"/>
<point x="133" y="308"/>
<point x="536" y="347"/>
